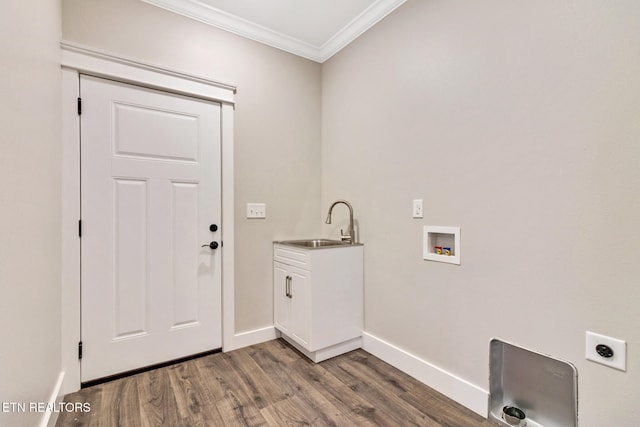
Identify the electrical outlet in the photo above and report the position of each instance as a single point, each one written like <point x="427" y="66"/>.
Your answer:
<point x="417" y="208"/>
<point x="607" y="351"/>
<point x="256" y="210"/>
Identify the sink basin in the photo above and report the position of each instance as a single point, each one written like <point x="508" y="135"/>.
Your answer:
<point x="315" y="243"/>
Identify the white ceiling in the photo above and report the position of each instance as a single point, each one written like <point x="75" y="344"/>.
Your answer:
<point x="314" y="29"/>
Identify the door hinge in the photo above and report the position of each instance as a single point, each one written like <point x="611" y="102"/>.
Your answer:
<point x="80" y="350"/>
<point x="79" y="228"/>
<point x="79" y="106"/>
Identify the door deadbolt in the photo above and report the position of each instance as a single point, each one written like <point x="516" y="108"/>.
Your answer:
<point x="213" y="228"/>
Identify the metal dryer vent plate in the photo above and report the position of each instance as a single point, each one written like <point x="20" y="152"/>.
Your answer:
<point x="545" y="388"/>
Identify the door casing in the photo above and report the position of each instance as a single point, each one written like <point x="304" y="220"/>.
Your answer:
<point x="78" y="59"/>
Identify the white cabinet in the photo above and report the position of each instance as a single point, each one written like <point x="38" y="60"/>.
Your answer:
<point x="318" y="298"/>
<point x="290" y="312"/>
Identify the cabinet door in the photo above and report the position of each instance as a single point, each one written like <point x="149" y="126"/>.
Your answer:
<point x="281" y="302"/>
<point x="300" y="288"/>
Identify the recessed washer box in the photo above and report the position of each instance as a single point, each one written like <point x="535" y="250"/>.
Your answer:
<point x="447" y="239"/>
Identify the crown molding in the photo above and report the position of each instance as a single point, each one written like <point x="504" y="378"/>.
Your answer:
<point x="209" y="15"/>
<point x="202" y="12"/>
<point x="354" y="29"/>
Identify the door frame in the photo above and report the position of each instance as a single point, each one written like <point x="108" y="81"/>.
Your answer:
<point x="76" y="60"/>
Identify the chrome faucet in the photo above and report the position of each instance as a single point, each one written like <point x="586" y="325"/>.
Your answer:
<point x="350" y="236"/>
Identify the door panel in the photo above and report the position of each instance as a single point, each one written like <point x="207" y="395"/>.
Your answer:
<point x="150" y="181"/>
<point x="300" y="305"/>
<point x="145" y="132"/>
<point x="282" y="306"/>
<point x="184" y="233"/>
<point x="130" y="256"/>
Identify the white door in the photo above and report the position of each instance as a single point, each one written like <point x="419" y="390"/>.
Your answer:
<point x="150" y="189"/>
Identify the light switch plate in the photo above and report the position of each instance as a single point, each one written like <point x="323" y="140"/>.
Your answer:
<point x="256" y="210"/>
<point x="417" y="208"/>
<point x="618" y="358"/>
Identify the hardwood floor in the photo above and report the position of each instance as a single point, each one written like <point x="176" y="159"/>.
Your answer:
<point x="269" y="384"/>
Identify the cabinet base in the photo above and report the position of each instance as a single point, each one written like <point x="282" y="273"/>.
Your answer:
<point x="327" y="352"/>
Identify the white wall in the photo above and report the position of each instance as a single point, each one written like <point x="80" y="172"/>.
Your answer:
<point x="277" y="124"/>
<point x="518" y="122"/>
<point x="30" y="198"/>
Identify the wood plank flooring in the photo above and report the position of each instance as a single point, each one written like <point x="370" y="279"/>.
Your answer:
<point x="269" y="384"/>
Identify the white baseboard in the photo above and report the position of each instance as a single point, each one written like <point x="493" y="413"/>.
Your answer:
<point x="463" y="392"/>
<point x="49" y="418"/>
<point x="328" y="352"/>
<point x="245" y="339"/>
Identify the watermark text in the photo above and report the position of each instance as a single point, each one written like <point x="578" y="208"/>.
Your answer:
<point x="22" y="407"/>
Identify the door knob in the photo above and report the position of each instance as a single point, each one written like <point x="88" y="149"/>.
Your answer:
<point x="212" y="245"/>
